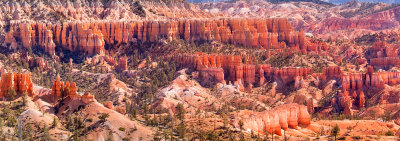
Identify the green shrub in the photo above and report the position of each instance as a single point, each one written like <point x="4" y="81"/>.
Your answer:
<point x="389" y="133"/>
<point x="121" y="129"/>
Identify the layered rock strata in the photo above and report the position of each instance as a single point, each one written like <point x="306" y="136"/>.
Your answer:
<point x="333" y="24"/>
<point x="91" y="38"/>
<point x="283" y="117"/>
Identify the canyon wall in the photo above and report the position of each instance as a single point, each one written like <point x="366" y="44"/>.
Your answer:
<point x="231" y="68"/>
<point x="92" y="37"/>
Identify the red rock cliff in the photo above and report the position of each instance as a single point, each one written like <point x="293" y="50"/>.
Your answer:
<point x="91" y="37"/>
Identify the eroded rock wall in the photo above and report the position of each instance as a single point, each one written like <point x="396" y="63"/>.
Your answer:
<point x="240" y="70"/>
<point x="282" y="117"/>
<point x="92" y="37"/>
<point x="384" y="55"/>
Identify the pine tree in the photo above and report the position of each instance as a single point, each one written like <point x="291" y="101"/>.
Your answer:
<point x="335" y="131"/>
<point x="11" y="93"/>
<point x="109" y="138"/>
<point x="180" y="111"/>
<point x="180" y="114"/>
<point x="157" y="135"/>
<point x="225" y="120"/>
<point x="27" y="132"/>
<point x="54" y="125"/>
<point x="46" y="134"/>
<point x="181" y="129"/>
<point x="24" y="99"/>
<point x="241" y="124"/>
<point x="103" y="117"/>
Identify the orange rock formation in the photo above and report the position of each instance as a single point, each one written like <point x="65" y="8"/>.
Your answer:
<point x="59" y="90"/>
<point x="354" y="84"/>
<point x="91" y="37"/>
<point x="38" y="62"/>
<point x="235" y="70"/>
<point x="272" y="121"/>
<point x="384" y="55"/>
<point x="21" y="83"/>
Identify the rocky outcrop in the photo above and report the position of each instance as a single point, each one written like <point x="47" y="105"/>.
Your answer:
<point x="121" y="109"/>
<point x="345" y="102"/>
<point x="122" y="64"/>
<point x="69" y="90"/>
<point x="379" y="79"/>
<point x="107" y="63"/>
<point x="241" y="72"/>
<point x="329" y="73"/>
<point x="87" y="98"/>
<point x="20" y="83"/>
<point x="84" y="37"/>
<point x="108" y="104"/>
<point x="27" y="34"/>
<point x="361" y="99"/>
<point x="382" y="49"/>
<point x="56" y="89"/>
<point x="212" y="74"/>
<point x="211" y="65"/>
<point x="287" y="75"/>
<point x="10" y="40"/>
<point x="310" y="106"/>
<point x="282" y="117"/>
<point x="38" y="62"/>
<point x="45" y="38"/>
